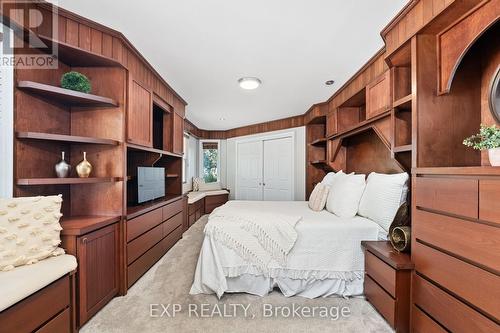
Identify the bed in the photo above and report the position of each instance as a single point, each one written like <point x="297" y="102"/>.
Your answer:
<point x="327" y="258"/>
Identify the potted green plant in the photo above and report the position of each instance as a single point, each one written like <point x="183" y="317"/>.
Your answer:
<point x="488" y="138"/>
<point x="76" y="81"/>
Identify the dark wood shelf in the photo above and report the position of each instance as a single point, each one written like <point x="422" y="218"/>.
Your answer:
<point x="134" y="211"/>
<point x="66" y="96"/>
<point x="385" y="252"/>
<point x="65" y="138"/>
<point x="466" y="171"/>
<point x="402" y="149"/>
<point x="80" y="225"/>
<point x="360" y="127"/>
<point x="403" y="103"/>
<point x="78" y="57"/>
<point x="151" y="150"/>
<point x="318" y="142"/>
<point x="171" y="175"/>
<point x="317" y="162"/>
<point x="65" y="181"/>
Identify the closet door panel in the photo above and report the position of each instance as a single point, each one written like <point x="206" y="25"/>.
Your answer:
<point x="249" y="171"/>
<point x="278" y="169"/>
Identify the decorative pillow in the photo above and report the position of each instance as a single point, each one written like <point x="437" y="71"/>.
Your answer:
<point x="29" y="230"/>
<point x="330" y="177"/>
<point x="318" y="197"/>
<point x="345" y="195"/>
<point x="383" y="196"/>
<point x="196" y="183"/>
<point x="209" y="186"/>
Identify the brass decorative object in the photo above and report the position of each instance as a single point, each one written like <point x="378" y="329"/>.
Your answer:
<point x="401" y="238"/>
<point x="62" y="168"/>
<point x="84" y="168"/>
<point x="400" y="231"/>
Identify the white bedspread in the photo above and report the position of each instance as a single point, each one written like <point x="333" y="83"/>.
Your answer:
<point x="256" y="237"/>
<point x="328" y="251"/>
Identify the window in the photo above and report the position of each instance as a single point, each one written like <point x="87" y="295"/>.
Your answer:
<point x="185" y="162"/>
<point x="209" y="160"/>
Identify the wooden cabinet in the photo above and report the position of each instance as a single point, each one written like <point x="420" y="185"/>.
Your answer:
<point x="139" y="114"/>
<point x="195" y="211"/>
<point x="378" y="95"/>
<point x="214" y="201"/>
<point x="178" y="134"/>
<point x="387" y="283"/>
<point x="98" y="267"/>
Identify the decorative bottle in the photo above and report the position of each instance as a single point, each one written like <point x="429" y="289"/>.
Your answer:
<point x="84" y="167"/>
<point x="62" y="168"/>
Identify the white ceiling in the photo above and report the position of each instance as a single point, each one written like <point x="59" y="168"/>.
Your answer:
<point x="202" y="47"/>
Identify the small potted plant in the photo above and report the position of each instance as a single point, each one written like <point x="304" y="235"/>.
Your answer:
<point x="488" y="138"/>
<point x="76" y="81"/>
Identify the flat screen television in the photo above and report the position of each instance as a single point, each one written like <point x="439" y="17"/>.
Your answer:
<point x="150" y="183"/>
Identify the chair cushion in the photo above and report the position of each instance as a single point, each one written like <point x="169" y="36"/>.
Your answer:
<point x="23" y="281"/>
<point x="29" y="230"/>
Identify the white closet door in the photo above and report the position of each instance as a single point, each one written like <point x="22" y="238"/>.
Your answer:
<point x="278" y="169"/>
<point x="249" y="173"/>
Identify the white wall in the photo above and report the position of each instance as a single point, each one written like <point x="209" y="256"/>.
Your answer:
<point x="6" y="126"/>
<point x="229" y="179"/>
<point x="192" y="163"/>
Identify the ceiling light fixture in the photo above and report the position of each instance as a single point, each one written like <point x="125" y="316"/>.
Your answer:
<point x="249" y="83"/>
<point x="329" y="82"/>
<point x="222" y="118"/>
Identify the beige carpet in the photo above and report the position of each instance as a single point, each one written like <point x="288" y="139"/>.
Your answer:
<point x="169" y="281"/>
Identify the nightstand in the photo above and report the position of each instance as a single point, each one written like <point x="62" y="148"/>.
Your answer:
<point x="387" y="282"/>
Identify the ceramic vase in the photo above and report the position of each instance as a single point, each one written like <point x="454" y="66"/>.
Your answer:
<point x="494" y="156"/>
<point x="84" y="168"/>
<point x="62" y="168"/>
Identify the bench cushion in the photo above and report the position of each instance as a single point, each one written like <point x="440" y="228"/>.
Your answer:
<point x="23" y="281"/>
<point x="195" y="196"/>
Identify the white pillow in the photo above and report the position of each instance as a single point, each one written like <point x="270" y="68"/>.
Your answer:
<point x="29" y="230"/>
<point x="196" y="183"/>
<point x="330" y="177"/>
<point x="318" y="197"/>
<point x="383" y="195"/>
<point x="209" y="186"/>
<point x="345" y="194"/>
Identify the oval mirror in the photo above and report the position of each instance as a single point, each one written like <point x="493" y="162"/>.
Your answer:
<point x="495" y="96"/>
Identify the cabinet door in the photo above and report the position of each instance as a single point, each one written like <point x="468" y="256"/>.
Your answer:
<point x="98" y="266"/>
<point x="140" y="114"/>
<point x="178" y="134"/>
<point x="378" y="95"/>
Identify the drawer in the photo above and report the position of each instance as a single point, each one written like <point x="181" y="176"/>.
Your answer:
<point x="198" y="214"/>
<point x="456" y="196"/>
<point x="384" y="274"/>
<point x="422" y="323"/>
<point x="148" y="259"/>
<point x="489" y="200"/>
<point x="477" y="242"/>
<point x="171" y="209"/>
<point x="475" y="285"/>
<point x="143" y="223"/>
<point x="380" y="299"/>
<point x="447" y="310"/>
<point x="59" y="324"/>
<point x="32" y="312"/>
<point x="192" y="219"/>
<point x="143" y="243"/>
<point x="216" y="199"/>
<point x="171" y="224"/>
<point x="192" y="208"/>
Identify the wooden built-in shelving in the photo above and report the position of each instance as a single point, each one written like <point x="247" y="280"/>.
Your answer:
<point x="78" y="57"/>
<point x="65" y="96"/>
<point x="361" y="126"/>
<point x="65" y="138"/>
<point x="80" y="225"/>
<point x="135" y="147"/>
<point x="318" y="162"/>
<point x="65" y="181"/>
<point x="319" y="142"/>
<point x="403" y="103"/>
<point x="402" y="149"/>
